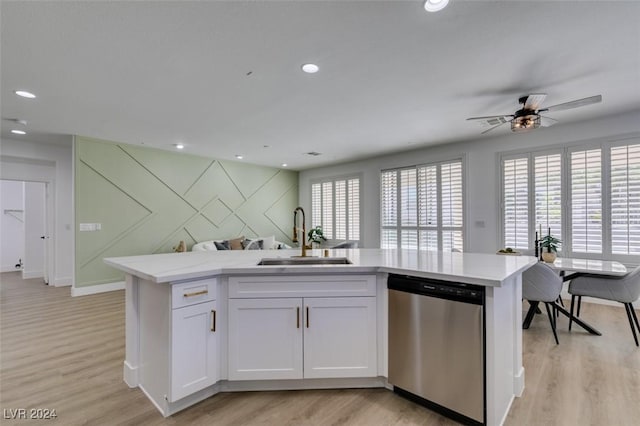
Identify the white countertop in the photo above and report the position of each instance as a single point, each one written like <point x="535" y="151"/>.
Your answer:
<point x="472" y="268"/>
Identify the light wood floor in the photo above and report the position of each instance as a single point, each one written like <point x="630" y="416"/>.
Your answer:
<point x="65" y="353"/>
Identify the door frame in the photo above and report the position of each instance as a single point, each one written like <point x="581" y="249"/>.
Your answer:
<point x="49" y="228"/>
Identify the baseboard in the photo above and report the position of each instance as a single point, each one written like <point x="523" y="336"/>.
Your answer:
<point x="9" y="268"/>
<point x="130" y="375"/>
<point x="27" y="275"/>
<point x="518" y="383"/>
<point x="62" y="282"/>
<point x="95" y="289"/>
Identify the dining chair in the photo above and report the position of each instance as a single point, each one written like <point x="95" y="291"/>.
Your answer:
<point x="625" y="290"/>
<point x="540" y="283"/>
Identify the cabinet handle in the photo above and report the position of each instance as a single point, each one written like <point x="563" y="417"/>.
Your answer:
<point x="307" y="317"/>
<point x="298" y="317"/>
<point x="213" y="320"/>
<point x="197" y="293"/>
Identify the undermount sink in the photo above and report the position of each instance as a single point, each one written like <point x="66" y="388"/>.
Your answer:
<point x="305" y="261"/>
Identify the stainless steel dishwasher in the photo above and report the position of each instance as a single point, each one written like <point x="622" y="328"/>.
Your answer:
<point x="436" y="345"/>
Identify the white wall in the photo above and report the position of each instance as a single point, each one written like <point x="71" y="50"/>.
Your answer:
<point x="11" y="224"/>
<point x="481" y="173"/>
<point x="28" y="161"/>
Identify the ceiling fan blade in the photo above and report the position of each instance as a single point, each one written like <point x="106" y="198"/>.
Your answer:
<point x="534" y="100"/>
<point x="495" y="127"/>
<point x="547" y="121"/>
<point x="573" y="104"/>
<point x="489" y="117"/>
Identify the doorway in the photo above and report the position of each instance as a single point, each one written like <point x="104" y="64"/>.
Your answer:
<point x="24" y="223"/>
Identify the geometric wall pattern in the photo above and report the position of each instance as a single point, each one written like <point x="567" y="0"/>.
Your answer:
<point x="147" y="200"/>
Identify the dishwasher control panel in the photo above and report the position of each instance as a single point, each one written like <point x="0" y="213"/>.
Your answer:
<point x="463" y="292"/>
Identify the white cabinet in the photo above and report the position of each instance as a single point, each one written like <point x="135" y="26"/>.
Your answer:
<point x="194" y="349"/>
<point x="265" y="339"/>
<point x="340" y="337"/>
<point x="194" y="338"/>
<point x="295" y="338"/>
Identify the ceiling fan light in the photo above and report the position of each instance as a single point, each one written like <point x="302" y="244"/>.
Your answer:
<point x="525" y="123"/>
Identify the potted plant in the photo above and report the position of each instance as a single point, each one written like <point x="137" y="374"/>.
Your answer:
<point x="316" y="236"/>
<point x="550" y="243"/>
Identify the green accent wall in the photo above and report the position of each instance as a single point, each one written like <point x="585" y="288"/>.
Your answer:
<point x="147" y="200"/>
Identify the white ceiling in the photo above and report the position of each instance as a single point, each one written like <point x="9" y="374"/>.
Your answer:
<point x="392" y="76"/>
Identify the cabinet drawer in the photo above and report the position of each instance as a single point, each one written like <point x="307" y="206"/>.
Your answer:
<point x="192" y="292"/>
<point x="302" y="286"/>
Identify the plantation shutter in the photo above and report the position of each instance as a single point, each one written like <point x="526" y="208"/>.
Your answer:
<point x="548" y="194"/>
<point x="586" y="201"/>
<point x="428" y="207"/>
<point x="316" y="205"/>
<point x="516" y="203"/>
<point x="341" y="209"/>
<point x="353" y="200"/>
<point x="451" y="201"/>
<point x="389" y="213"/>
<point x="422" y="207"/>
<point x="625" y="199"/>
<point x="327" y="209"/>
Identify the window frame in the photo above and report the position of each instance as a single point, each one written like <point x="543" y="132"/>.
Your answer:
<point x="566" y="151"/>
<point x="439" y="228"/>
<point x="333" y="180"/>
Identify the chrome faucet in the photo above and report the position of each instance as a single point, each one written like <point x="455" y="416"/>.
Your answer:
<point x="303" y="245"/>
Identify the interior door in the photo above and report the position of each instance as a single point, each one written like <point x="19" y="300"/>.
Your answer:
<point x="35" y="230"/>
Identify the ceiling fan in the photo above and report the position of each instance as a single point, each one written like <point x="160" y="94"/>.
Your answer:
<point x="528" y="117"/>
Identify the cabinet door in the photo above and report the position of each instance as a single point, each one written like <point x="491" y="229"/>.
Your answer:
<point x="340" y="337"/>
<point x="194" y="349"/>
<point x="265" y="339"/>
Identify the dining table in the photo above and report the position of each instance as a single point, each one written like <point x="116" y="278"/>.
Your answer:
<point x="569" y="268"/>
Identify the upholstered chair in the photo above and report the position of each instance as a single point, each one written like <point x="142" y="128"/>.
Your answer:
<point x="625" y="290"/>
<point x="540" y="283"/>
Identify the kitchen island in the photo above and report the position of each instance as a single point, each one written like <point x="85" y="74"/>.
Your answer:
<point x="199" y="323"/>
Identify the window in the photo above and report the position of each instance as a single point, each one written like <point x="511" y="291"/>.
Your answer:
<point x="422" y="207"/>
<point x="588" y="197"/>
<point x="625" y="199"/>
<point x="335" y="206"/>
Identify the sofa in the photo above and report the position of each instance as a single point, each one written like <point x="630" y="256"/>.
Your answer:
<point x="241" y="243"/>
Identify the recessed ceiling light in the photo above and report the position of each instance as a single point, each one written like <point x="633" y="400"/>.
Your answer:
<point x="19" y="132"/>
<point x="178" y="146"/>
<point x="239" y="157"/>
<point x="284" y="164"/>
<point x="25" y="94"/>
<point x="310" y="68"/>
<point x="435" y="5"/>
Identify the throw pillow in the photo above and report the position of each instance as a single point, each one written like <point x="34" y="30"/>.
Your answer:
<point x="236" y="243"/>
<point x="254" y="245"/>
<point x="222" y="245"/>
